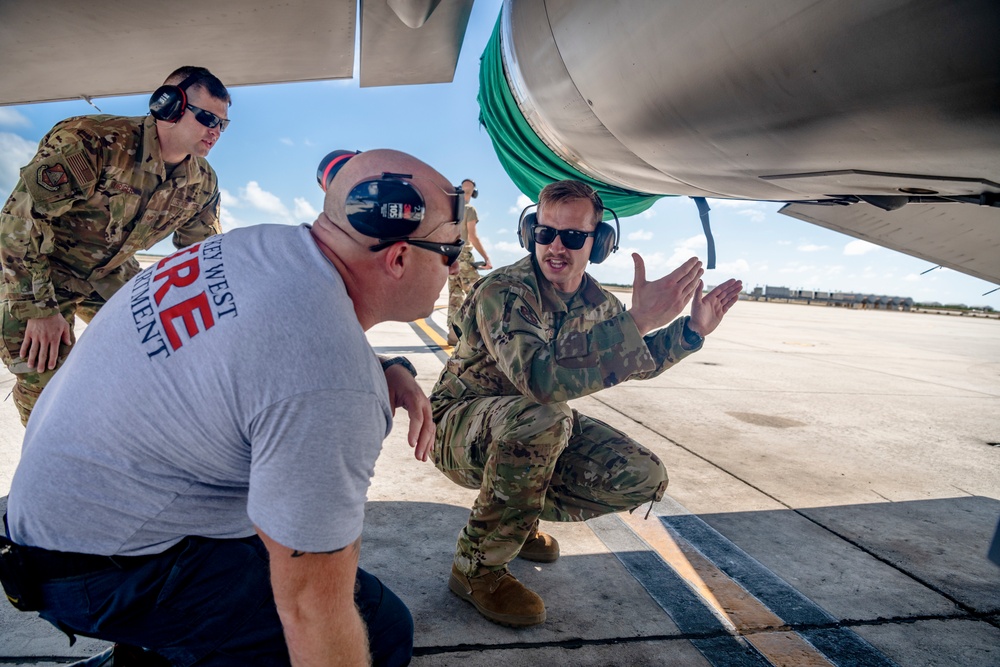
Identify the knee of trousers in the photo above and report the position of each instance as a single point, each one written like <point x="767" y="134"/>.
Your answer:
<point x="25" y="397"/>
<point x="543" y="430"/>
<point x="650" y="478"/>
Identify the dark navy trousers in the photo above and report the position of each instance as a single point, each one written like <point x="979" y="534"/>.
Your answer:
<point x="208" y="602"/>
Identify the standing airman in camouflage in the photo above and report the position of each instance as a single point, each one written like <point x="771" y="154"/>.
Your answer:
<point x="460" y="284"/>
<point x="535" y="335"/>
<point x="99" y="189"/>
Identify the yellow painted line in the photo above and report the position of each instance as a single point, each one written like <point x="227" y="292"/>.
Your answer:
<point x="738" y="609"/>
<point x="433" y="335"/>
<point x="787" y="649"/>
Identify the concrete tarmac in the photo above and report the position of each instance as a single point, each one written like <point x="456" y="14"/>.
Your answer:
<point x="835" y="485"/>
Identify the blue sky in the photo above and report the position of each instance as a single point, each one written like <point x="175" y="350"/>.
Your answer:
<point x="267" y="160"/>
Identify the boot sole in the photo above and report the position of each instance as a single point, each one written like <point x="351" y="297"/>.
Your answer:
<point x="540" y="558"/>
<point x="510" y="620"/>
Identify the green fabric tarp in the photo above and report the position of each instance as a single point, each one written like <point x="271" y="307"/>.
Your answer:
<point x="530" y="164"/>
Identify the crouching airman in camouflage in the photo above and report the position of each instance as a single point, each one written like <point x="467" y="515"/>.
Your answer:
<point x="535" y="335"/>
<point x="99" y="189"/>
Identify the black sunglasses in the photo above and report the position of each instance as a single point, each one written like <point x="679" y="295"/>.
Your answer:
<point x="449" y="250"/>
<point x="209" y="119"/>
<point x="571" y="238"/>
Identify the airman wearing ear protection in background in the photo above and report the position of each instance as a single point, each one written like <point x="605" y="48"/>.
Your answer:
<point x="535" y="335"/>
<point x="460" y="284"/>
<point x="100" y="189"/>
<point x="218" y="478"/>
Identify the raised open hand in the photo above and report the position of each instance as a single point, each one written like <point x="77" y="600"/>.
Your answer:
<point x="708" y="310"/>
<point x="656" y="304"/>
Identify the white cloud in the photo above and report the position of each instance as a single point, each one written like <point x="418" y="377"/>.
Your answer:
<point x="912" y="277"/>
<point x="304" y="211"/>
<point x="733" y="269"/>
<point x="811" y="247"/>
<point x="795" y="267"/>
<point x="859" y="247"/>
<point x="784" y="243"/>
<point x="286" y="141"/>
<point x="507" y="246"/>
<point x="522" y="202"/>
<point x="228" y="198"/>
<point x="12" y="118"/>
<point x="754" y="210"/>
<point x="265" y="201"/>
<point x="649" y="213"/>
<point x="228" y="221"/>
<point x="15" y="152"/>
<point x="640" y="235"/>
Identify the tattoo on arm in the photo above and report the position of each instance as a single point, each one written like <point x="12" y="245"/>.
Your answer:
<point x="355" y="547"/>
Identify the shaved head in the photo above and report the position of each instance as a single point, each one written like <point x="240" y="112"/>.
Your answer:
<point x="390" y="277"/>
<point x="370" y="165"/>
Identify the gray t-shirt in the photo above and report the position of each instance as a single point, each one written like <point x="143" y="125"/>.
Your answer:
<point x="230" y="385"/>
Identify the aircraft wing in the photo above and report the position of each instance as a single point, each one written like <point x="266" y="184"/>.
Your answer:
<point x="885" y="114"/>
<point x="66" y="49"/>
<point x="965" y="238"/>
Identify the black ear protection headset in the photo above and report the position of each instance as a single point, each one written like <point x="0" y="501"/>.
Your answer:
<point x="386" y="208"/>
<point x="605" y="236"/>
<point x="475" y="190"/>
<point x="169" y="102"/>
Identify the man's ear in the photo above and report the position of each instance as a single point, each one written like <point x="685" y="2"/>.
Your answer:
<point x="396" y="258"/>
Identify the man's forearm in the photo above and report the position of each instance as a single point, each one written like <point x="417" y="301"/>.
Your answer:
<point x="314" y="637"/>
<point x="314" y="594"/>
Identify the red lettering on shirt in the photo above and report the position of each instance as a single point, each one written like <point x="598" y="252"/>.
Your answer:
<point x="185" y="311"/>
<point x="178" y="275"/>
<point x="186" y="251"/>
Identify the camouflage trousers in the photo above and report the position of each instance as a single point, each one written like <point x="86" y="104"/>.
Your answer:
<point x="28" y="384"/>
<point x="531" y="462"/>
<point x="460" y="284"/>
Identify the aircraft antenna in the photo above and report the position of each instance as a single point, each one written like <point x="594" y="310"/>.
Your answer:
<point x="89" y="101"/>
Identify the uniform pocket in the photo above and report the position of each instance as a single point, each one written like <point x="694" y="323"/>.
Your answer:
<point x="123" y="209"/>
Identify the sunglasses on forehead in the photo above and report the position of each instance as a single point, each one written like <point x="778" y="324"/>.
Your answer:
<point x="571" y="238"/>
<point x="209" y="119"/>
<point x="450" y="250"/>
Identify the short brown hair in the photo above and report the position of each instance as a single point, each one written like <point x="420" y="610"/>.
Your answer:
<point x="568" y="190"/>
<point x="201" y="77"/>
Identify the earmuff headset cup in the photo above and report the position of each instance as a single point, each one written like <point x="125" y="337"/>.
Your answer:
<point x="169" y="102"/>
<point x="605" y="236"/>
<point x="332" y="163"/>
<point x="383" y="208"/>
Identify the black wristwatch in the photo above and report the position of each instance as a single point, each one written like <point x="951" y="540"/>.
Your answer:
<point x="402" y="361"/>
<point x="692" y="337"/>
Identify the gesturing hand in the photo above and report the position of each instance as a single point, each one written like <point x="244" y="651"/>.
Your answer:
<point x="708" y="310"/>
<point x="657" y="303"/>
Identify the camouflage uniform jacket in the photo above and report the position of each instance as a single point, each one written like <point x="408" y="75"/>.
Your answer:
<point x="519" y="338"/>
<point x="95" y="194"/>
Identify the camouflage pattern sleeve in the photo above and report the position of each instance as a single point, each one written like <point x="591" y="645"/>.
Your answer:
<point x="668" y="347"/>
<point x="63" y="172"/>
<point x="201" y="226"/>
<point x="556" y="368"/>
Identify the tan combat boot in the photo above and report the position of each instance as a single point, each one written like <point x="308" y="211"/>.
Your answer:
<point x="539" y="547"/>
<point x="500" y="597"/>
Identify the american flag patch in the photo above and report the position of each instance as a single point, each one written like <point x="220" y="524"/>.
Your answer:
<point x="80" y="168"/>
